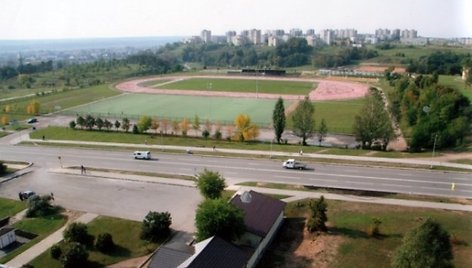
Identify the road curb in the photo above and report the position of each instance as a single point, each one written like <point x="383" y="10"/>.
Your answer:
<point x="17" y="173"/>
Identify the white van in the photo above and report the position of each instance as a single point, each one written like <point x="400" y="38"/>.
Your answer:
<point x="142" y="155"/>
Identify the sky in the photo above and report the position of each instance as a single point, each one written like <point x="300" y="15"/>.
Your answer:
<point x="57" y="19"/>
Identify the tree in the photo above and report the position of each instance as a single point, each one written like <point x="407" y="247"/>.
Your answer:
<point x="303" y="123"/>
<point x="175" y="127"/>
<point x="107" y="124"/>
<point x="117" y="125"/>
<point x="428" y="245"/>
<point x="75" y="256"/>
<point x="196" y="124"/>
<point x="210" y="183"/>
<point x="278" y="119"/>
<point x="318" y="216"/>
<point x="144" y="123"/>
<point x="99" y="123"/>
<point x="72" y="124"/>
<point x="39" y="206"/>
<point x="219" y="217"/>
<point x="373" y="122"/>
<point x="165" y="125"/>
<point x="245" y="130"/>
<point x="125" y="125"/>
<point x="322" y="131"/>
<point x="155" y="125"/>
<point x="156" y="226"/>
<point x="81" y="121"/>
<point x="135" y="129"/>
<point x="4" y="120"/>
<point x="89" y="122"/>
<point x="104" y="242"/>
<point x="77" y="232"/>
<point x="33" y="108"/>
<point x="184" y="126"/>
<point x="55" y="251"/>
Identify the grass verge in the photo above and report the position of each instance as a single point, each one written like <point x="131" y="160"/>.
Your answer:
<point x="10" y="207"/>
<point x="349" y="222"/>
<point x="42" y="226"/>
<point x="126" y="236"/>
<point x="298" y="187"/>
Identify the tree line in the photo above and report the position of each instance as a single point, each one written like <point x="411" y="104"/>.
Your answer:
<point x="447" y="63"/>
<point x="434" y="115"/>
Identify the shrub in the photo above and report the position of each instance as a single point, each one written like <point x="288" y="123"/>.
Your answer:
<point x="135" y="129"/>
<point x="205" y="134"/>
<point x="104" y="242"/>
<point x="318" y="219"/>
<point x="374" y="229"/>
<point x="72" y="124"/>
<point x="56" y="252"/>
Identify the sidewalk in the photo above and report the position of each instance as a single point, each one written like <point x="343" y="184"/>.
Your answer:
<point x="46" y="243"/>
<point x="409" y="161"/>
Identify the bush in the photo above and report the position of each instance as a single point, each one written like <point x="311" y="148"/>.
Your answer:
<point x="318" y="219"/>
<point x="374" y="229"/>
<point x="218" y="134"/>
<point x="77" y="232"/>
<point x="75" y="256"/>
<point x="104" y="242"/>
<point x="205" y="134"/>
<point x="56" y="252"/>
<point x="135" y="129"/>
<point x="72" y="124"/>
<point x="156" y="226"/>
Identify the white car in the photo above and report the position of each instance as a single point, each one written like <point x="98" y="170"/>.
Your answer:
<point x="292" y="164"/>
<point x="142" y="155"/>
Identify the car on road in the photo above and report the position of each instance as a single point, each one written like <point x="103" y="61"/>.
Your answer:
<point x="26" y="194"/>
<point x="32" y="120"/>
<point x="293" y="164"/>
<point x="142" y="155"/>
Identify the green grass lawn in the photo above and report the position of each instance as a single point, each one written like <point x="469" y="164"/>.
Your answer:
<point x="125" y="234"/>
<point x="10" y="207"/>
<point x="240" y="85"/>
<point x="62" y="100"/>
<point x="455" y="81"/>
<point x="42" y="226"/>
<point x="351" y="221"/>
<point x="215" y="109"/>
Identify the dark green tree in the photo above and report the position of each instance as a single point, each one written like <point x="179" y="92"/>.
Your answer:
<point x="322" y="131"/>
<point x="99" y="123"/>
<point x="89" y="122"/>
<point x="117" y="125"/>
<point x="373" y="122"/>
<point x="318" y="218"/>
<point x="303" y="122"/>
<point x="210" y="183"/>
<point x="425" y="246"/>
<point x="72" y="124"/>
<point x="156" y="226"/>
<point x="219" y="217"/>
<point x="78" y="232"/>
<point x="125" y="125"/>
<point x="104" y="242"/>
<point x="278" y="119"/>
<point x="39" y="206"/>
<point x="81" y="121"/>
<point x="55" y="251"/>
<point x="107" y="124"/>
<point x="75" y="256"/>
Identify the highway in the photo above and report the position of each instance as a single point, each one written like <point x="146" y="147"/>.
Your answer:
<point x="238" y="170"/>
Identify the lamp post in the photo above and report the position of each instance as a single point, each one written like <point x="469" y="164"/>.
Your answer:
<point x="434" y="148"/>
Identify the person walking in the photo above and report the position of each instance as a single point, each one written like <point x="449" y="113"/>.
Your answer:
<point x="82" y="169"/>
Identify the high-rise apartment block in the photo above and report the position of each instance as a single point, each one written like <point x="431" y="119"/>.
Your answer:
<point x="206" y="36"/>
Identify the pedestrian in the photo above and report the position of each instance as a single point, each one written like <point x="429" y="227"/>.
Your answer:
<point x="52" y="195"/>
<point x="82" y="169"/>
<point x="214" y="148"/>
<point x="301" y="152"/>
<point x="44" y="137"/>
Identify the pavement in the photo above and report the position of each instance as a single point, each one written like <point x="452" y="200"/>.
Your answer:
<point x="42" y="246"/>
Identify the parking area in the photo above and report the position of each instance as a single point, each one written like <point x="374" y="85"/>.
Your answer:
<point x="111" y="197"/>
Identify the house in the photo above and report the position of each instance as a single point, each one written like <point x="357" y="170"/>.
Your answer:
<point x="215" y="252"/>
<point x="263" y="215"/>
<point x="7" y="236"/>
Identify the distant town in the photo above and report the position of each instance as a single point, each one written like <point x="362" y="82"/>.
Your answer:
<point x="327" y="37"/>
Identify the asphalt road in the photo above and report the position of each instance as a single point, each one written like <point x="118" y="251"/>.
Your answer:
<point x="238" y="170"/>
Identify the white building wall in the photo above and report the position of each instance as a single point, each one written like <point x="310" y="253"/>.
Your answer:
<point x="265" y="242"/>
<point x="7" y="239"/>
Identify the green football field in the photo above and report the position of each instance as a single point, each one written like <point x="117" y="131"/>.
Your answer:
<point x="242" y="85"/>
<point x="216" y="109"/>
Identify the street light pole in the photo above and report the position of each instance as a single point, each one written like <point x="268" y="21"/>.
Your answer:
<point x="434" y="148"/>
